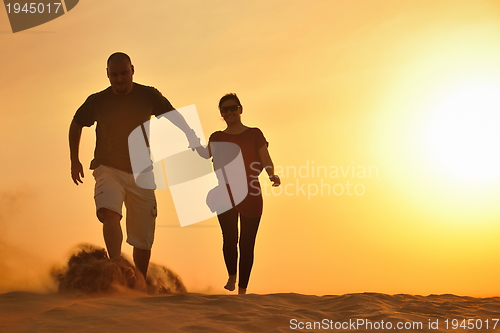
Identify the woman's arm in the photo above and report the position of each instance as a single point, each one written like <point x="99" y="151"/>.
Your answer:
<point x="267" y="164"/>
<point x="204" y="152"/>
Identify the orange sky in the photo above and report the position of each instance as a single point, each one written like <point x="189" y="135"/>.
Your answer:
<point x="332" y="84"/>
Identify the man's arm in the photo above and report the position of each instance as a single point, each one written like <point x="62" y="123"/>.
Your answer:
<point x="163" y="108"/>
<point x="178" y="120"/>
<point x="75" y="133"/>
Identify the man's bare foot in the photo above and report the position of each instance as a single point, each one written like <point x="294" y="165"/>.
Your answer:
<point x="231" y="283"/>
<point x="242" y="291"/>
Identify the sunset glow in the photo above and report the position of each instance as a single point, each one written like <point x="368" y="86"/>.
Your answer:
<point x="464" y="135"/>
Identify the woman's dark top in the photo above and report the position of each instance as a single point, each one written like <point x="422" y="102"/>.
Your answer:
<point x="249" y="141"/>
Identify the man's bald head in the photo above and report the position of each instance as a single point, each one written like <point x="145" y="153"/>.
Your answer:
<point x="119" y="56"/>
<point x="120" y="72"/>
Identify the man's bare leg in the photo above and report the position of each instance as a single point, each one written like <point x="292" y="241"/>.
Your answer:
<point x="141" y="260"/>
<point x="113" y="237"/>
<point x="242" y="291"/>
<point x="112" y="232"/>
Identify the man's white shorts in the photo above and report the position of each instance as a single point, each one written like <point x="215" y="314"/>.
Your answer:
<point x="114" y="187"/>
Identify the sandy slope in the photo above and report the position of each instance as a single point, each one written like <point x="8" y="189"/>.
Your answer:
<point x="96" y="294"/>
<point x="29" y="312"/>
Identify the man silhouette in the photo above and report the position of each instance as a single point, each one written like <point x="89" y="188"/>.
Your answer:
<point x="118" y="110"/>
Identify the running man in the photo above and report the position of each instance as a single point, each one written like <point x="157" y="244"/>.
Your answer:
<point x="118" y="110"/>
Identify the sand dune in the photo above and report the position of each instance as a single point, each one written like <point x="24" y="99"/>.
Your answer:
<point x="29" y="312"/>
<point x="96" y="294"/>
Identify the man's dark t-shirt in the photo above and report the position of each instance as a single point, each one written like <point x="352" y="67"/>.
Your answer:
<point x="116" y="117"/>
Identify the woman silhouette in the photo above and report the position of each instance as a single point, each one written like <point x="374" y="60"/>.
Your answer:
<point x="252" y="147"/>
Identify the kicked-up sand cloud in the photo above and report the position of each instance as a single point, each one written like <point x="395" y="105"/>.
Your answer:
<point x="89" y="271"/>
<point x="86" y="271"/>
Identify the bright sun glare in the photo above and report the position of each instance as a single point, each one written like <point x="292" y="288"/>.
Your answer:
<point x="464" y="132"/>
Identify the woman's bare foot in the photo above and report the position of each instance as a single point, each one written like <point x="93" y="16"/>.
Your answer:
<point x="242" y="291"/>
<point x="231" y="283"/>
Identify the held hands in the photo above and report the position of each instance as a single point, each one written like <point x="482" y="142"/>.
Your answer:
<point x="275" y="179"/>
<point x="193" y="140"/>
<point x="76" y="172"/>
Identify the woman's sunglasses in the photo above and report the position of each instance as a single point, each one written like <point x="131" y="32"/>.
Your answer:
<point x="232" y="108"/>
